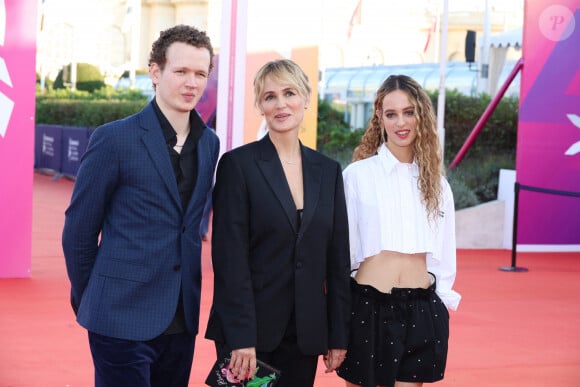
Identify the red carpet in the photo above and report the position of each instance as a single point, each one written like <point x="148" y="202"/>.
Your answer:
<point x="511" y="329"/>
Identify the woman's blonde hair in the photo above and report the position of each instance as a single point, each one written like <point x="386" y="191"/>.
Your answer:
<point x="284" y="70"/>
<point x="426" y="148"/>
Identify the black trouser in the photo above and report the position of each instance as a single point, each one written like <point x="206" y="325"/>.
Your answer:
<point x="162" y="362"/>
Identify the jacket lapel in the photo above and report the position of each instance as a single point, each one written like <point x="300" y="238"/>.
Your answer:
<point x="269" y="164"/>
<point x="157" y="148"/>
<point x="198" y="197"/>
<point x="312" y="175"/>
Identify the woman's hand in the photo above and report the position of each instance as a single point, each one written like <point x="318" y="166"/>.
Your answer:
<point x="333" y="359"/>
<point x="243" y="363"/>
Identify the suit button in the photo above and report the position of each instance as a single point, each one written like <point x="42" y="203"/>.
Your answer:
<point x="299" y="264"/>
<point x="176" y="267"/>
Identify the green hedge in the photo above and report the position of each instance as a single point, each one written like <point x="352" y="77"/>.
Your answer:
<point x="461" y="115"/>
<point x="84" y="109"/>
<point x="85" y="114"/>
<point x="493" y="149"/>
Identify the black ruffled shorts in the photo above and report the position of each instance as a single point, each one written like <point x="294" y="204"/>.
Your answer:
<point x="402" y="335"/>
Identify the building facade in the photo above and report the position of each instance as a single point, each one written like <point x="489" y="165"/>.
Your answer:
<point x="116" y="35"/>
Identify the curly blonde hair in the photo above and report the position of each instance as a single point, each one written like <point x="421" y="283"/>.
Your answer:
<point x="426" y="148"/>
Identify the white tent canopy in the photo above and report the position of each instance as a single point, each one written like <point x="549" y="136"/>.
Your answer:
<point x="511" y="38"/>
<point x="499" y="44"/>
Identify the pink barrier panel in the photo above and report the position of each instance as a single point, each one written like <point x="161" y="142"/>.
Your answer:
<point x="548" y="148"/>
<point x="17" y="98"/>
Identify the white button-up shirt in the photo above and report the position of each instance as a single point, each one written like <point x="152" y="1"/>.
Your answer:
<point x="386" y="212"/>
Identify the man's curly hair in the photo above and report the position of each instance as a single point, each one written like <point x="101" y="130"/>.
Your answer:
<point x="180" y="33"/>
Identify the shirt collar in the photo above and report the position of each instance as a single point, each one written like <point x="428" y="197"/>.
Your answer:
<point x="389" y="161"/>
<point x="195" y="122"/>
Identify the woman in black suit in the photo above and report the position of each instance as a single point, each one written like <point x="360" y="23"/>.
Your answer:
<point x="280" y="243"/>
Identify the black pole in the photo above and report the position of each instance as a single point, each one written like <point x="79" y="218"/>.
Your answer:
<point x="517" y="189"/>
<point x="513" y="267"/>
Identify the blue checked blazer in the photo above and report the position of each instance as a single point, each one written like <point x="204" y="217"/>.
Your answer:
<point x="128" y="244"/>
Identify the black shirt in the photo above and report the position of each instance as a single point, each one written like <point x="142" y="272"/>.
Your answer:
<point x="184" y="163"/>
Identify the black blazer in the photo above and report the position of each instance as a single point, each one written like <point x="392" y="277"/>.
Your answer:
<point x="265" y="266"/>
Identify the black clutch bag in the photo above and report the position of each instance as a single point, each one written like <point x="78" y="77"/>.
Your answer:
<point x="221" y="376"/>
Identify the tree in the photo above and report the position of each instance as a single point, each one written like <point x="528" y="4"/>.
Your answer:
<point x="89" y="78"/>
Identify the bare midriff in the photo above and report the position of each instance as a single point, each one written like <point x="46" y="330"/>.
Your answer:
<point x="391" y="269"/>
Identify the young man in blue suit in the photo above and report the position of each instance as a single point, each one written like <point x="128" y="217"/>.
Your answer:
<point x="131" y="237"/>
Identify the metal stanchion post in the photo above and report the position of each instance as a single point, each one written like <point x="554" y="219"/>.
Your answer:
<point x="513" y="266"/>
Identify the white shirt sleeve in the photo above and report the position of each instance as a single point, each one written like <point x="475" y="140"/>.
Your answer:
<point x="443" y="262"/>
<point x="353" y="230"/>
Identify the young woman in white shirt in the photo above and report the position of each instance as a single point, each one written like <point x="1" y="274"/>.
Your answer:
<point x="402" y="244"/>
